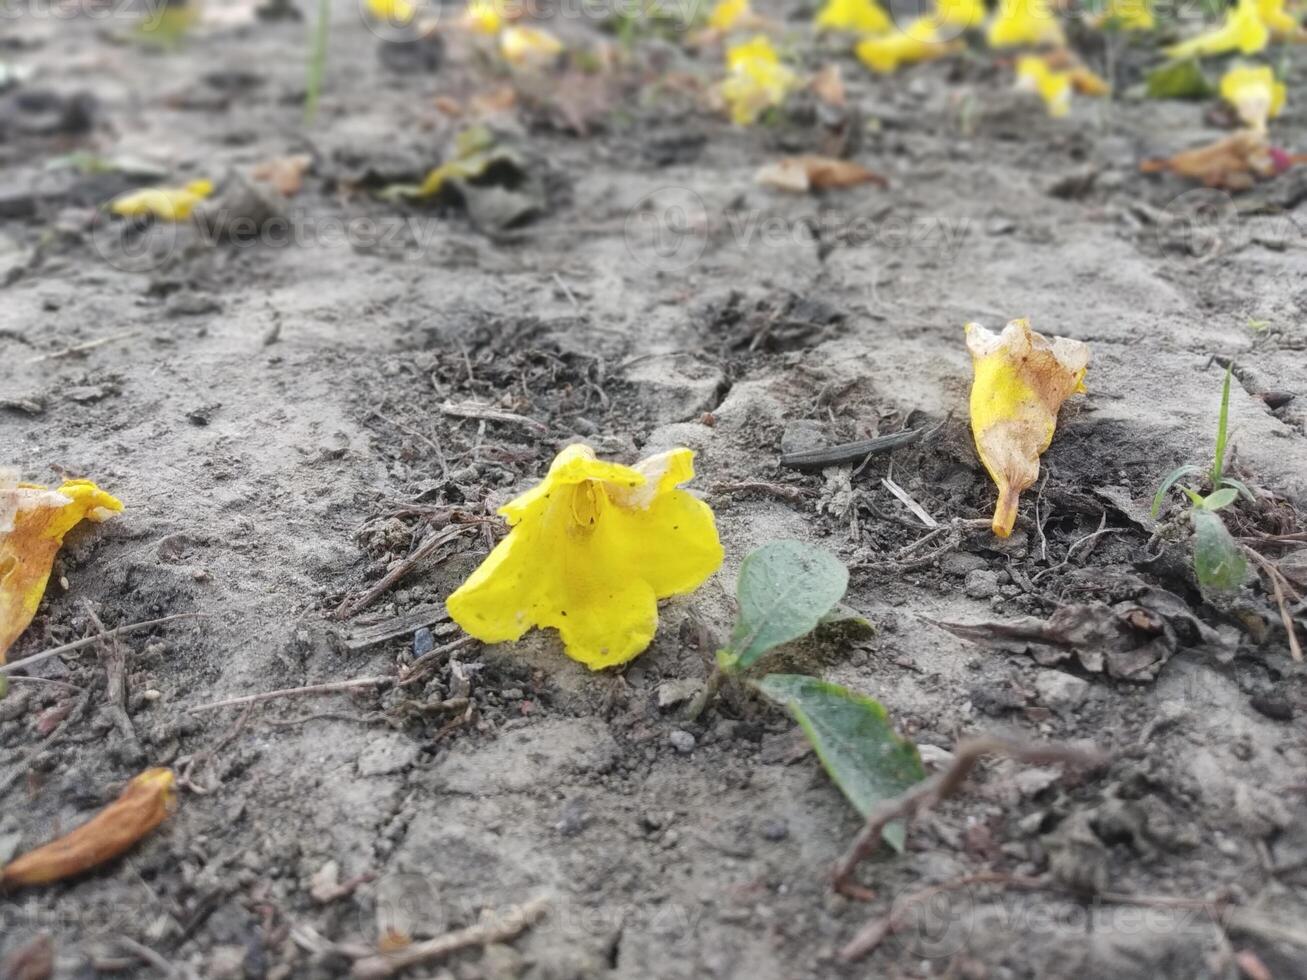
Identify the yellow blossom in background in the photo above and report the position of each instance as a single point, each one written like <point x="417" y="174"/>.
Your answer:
<point x="1243" y="30"/>
<point x="162" y="203"/>
<point x="1024" y="22"/>
<point x="1054" y="87"/>
<point x="396" y="12"/>
<point x="590" y="551"/>
<point x="1254" y="93"/>
<point x="919" y="41"/>
<point x="482" y="17"/>
<point x="1128" y="15"/>
<point x="855" y="16"/>
<point x="1021" y="380"/>
<point x="1279" y="21"/>
<point x="960" y="13"/>
<point x="756" y="79"/>
<point x="36" y="521"/>
<point x="523" y="46"/>
<point x="727" y="13"/>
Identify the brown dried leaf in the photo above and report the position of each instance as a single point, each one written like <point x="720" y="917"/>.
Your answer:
<point x="34" y="961"/>
<point x="1233" y="163"/>
<point x="815" y="173"/>
<point x="828" y="85"/>
<point x="285" y="174"/>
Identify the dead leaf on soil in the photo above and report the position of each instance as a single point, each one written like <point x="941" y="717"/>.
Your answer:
<point x="285" y="174"/>
<point x="33" y="961"/>
<point x="1232" y="163"/>
<point x="802" y="174"/>
<point x="144" y="804"/>
<point x="828" y="85"/>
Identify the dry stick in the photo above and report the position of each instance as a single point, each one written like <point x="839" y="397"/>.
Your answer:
<point x="1275" y="575"/>
<point x="291" y="692"/>
<point x="115" y="669"/>
<point x="928" y="792"/>
<point x="793" y="494"/>
<point x="496" y="930"/>
<point x="81" y="644"/>
<point x="487" y="413"/>
<point x="82" y="348"/>
<point x="849" y="453"/>
<point x="143" y="952"/>
<point x="348" y="608"/>
<point x="440" y="453"/>
<point x="418" y="668"/>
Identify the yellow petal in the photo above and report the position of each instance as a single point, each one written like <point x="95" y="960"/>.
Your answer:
<point x="1243" y="30"/>
<point x="398" y="12"/>
<point x="528" y="45"/>
<point x="40" y="520"/>
<point x="919" y="41"/>
<point x="1024" y="22"/>
<point x="960" y="13"/>
<point x="1127" y="15"/>
<point x="590" y="551"/>
<point x="1254" y="93"/>
<point x="1034" y="75"/>
<point x="1275" y="17"/>
<point x="483" y="17"/>
<point x="757" y="80"/>
<point x="162" y="203"/>
<point x="726" y="13"/>
<point x="855" y="16"/>
<point x="1021" y="380"/>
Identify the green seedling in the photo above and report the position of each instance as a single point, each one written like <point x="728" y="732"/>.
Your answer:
<point x="317" y="65"/>
<point x="1218" y="561"/>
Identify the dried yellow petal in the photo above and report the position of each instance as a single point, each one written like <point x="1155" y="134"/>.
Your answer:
<point x="1021" y="380"/>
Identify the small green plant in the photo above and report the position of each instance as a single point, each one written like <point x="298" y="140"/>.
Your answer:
<point x="786" y="590"/>
<point x="317" y="64"/>
<point x="1218" y="561"/>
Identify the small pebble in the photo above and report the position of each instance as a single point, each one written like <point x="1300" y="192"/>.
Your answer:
<point x="981" y="584"/>
<point x="775" y="830"/>
<point x="423" y="642"/>
<point x="682" y="741"/>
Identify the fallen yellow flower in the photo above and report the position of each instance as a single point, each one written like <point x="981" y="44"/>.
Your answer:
<point x="1280" y="22"/>
<point x="1243" y="30"/>
<point x="1021" y="380"/>
<point x="919" y="41"/>
<point x="960" y="13"/>
<point x="522" y="46"/>
<point x="590" y="551"/>
<point x="162" y="203"/>
<point x="1254" y="93"/>
<point x="727" y="13"/>
<point x="1127" y="15"/>
<point x="757" y="80"/>
<point x="1054" y="87"/>
<point x="1024" y="22"/>
<point x="482" y="17"/>
<point x="396" y="12"/>
<point x="855" y="16"/>
<point x="40" y="519"/>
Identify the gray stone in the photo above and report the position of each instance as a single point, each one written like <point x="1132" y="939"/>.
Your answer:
<point x="981" y="584"/>
<point x="386" y="754"/>
<point x="961" y="563"/>
<point x="1061" y="691"/>
<point x="677" y="691"/>
<point x="682" y="741"/>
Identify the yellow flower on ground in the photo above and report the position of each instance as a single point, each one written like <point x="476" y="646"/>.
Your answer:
<point x="855" y="16"/>
<point x="590" y="552"/>
<point x="162" y="203"/>
<point x="482" y="17"/>
<point x="36" y="520"/>
<point x="1024" y="22"/>
<point x="726" y="13"/>
<point x="1054" y="87"/>
<point x="756" y="79"/>
<point x="919" y="41"/>
<point x="523" y="46"/>
<point x="1254" y="93"/>
<point x="1127" y="15"/>
<point x="1243" y="30"/>
<point x="1021" y="380"/>
<point x="397" y="12"/>
<point x="1274" y="16"/>
<point x="960" y="13"/>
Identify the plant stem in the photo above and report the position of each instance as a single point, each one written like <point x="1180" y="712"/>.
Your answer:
<point x="701" y="700"/>
<point x="317" y="61"/>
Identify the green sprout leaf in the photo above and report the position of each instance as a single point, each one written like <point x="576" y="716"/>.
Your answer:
<point x="1176" y="474"/>
<point x="1218" y="463"/>
<point x="854" y="740"/>
<point x="1229" y="481"/>
<point x="785" y="589"/>
<point x="1179" y="80"/>
<point x="1218" y="562"/>
<point x="1220" y="498"/>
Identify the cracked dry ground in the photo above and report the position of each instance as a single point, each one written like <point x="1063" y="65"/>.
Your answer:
<point x="264" y="481"/>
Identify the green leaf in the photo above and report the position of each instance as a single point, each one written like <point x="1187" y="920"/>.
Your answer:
<point x="1220" y="498"/>
<point x="1180" y="471"/>
<point x="785" y="588"/>
<point x="1218" y="562"/>
<point x="1218" y="462"/>
<point x="1229" y="481"/>
<point x="317" y="66"/>
<point x="1178" y="80"/>
<point x="846" y="620"/>
<point x="854" y="739"/>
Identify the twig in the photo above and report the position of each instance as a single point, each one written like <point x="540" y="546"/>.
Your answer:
<point x="928" y="792"/>
<point x="849" y="453"/>
<point x="905" y="498"/>
<point x="81" y="644"/>
<point x="1277" y="577"/>
<point x="1091" y="536"/>
<point x="204" y="757"/>
<point x="349" y="607"/>
<point x="566" y="292"/>
<point x="495" y="930"/>
<point x="143" y="952"/>
<point x="82" y="348"/>
<point x="115" y="669"/>
<point x="440" y="453"/>
<point x="418" y="668"/>
<point x="291" y="692"/>
<point x="472" y="410"/>
<point x="793" y="494"/>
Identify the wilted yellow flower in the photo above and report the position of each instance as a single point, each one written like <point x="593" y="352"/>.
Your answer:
<point x="960" y="13"/>
<point x="1021" y="380"/>
<point x="1128" y="15"/>
<point x="37" y="520"/>
<point x="162" y="203"/>
<point x="855" y="16"/>
<point x="522" y="45"/>
<point x="590" y="552"/>
<point x="397" y="12"/>
<point x="1243" y="30"/>
<point x="482" y="17"/>
<point x="1054" y="87"/>
<point x="727" y="13"/>
<point x="919" y="41"/>
<point x="1280" y="22"/>
<point x="1254" y="93"/>
<point x="756" y="81"/>
<point x="1024" y="22"/>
